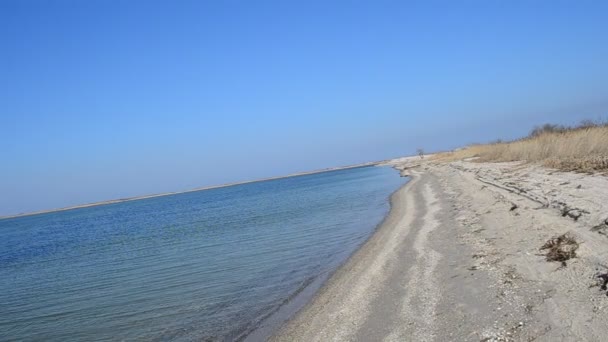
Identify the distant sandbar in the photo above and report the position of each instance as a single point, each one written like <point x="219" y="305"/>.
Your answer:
<point x="120" y="200"/>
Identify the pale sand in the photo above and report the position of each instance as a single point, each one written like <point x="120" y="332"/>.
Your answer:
<point x="455" y="261"/>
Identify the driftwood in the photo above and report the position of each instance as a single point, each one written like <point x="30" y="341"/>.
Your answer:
<point x="572" y="212"/>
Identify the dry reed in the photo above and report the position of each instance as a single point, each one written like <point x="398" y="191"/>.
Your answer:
<point x="579" y="149"/>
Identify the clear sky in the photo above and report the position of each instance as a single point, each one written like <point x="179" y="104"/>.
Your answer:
<point x="109" y="99"/>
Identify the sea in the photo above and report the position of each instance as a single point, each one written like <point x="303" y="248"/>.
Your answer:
<point x="224" y="264"/>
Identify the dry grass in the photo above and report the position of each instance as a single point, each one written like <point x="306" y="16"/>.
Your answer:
<point x="580" y="149"/>
<point x="472" y="151"/>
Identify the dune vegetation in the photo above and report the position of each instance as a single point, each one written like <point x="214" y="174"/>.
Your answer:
<point x="581" y="148"/>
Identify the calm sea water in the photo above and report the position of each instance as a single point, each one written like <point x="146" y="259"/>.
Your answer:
<point x="207" y="265"/>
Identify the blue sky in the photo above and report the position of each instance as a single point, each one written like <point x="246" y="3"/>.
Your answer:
<point x="109" y="99"/>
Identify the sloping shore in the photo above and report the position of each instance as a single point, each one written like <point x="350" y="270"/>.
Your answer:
<point x="458" y="259"/>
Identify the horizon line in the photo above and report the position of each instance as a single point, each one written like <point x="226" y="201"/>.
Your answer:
<point x="225" y="185"/>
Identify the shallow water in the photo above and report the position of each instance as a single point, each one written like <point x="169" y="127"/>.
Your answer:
<point x="206" y="265"/>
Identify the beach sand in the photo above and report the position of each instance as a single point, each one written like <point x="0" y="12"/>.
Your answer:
<point x="458" y="259"/>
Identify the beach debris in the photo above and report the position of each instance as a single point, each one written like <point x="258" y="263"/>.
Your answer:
<point x="601" y="228"/>
<point x="500" y="334"/>
<point x="513" y="206"/>
<point x="573" y="213"/>
<point x="603" y="281"/>
<point x="512" y="188"/>
<point x="560" y="248"/>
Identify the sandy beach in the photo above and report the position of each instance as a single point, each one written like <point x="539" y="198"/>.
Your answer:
<point x="459" y="258"/>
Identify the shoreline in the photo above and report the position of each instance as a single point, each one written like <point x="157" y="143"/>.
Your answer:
<point x="459" y="257"/>
<point x="342" y="274"/>
<point x="136" y="198"/>
<point x="289" y="310"/>
<point x="364" y="194"/>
